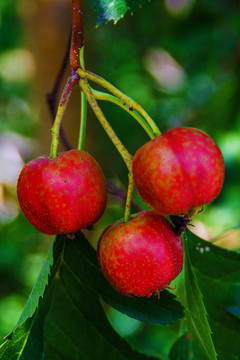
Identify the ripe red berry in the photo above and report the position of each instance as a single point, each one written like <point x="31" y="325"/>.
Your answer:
<point x="64" y="194"/>
<point x="179" y="171"/>
<point x="141" y="256"/>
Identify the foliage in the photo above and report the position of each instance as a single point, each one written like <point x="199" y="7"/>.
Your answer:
<point x="108" y="10"/>
<point x="75" y="284"/>
<point x="211" y="267"/>
<point x="196" y="314"/>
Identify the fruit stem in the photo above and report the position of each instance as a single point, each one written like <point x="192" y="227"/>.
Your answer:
<point x="127" y="157"/>
<point x="125" y="100"/>
<point x="71" y="82"/>
<point x="77" y="40"/>
<point x="127" y="211"/>
<point x="82" y="130"/>
<point x="53" y="95"/>
<point x="195" y="211"/>
<point x="99" y="95"/>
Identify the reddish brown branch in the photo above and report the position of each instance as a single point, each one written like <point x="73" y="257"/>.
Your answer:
<point x="77" y="34"/>
<point x="120" y="194"/>
<point x="71" y="82"/>
<point x="52" y="97"/>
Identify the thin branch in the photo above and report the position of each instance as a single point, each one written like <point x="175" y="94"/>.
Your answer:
<point x="52" y="97"/>
<point x="121" y="195"/>
<point x="126" y="100"/>
<point x="126" y="156"/>
<point x="72" y="81"/>
<point x="77" y="41"/>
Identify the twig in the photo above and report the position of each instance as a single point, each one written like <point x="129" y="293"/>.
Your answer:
<point x="121" y="195"/>
<point x="53" y="95"/>
<point x="77" y="40"/>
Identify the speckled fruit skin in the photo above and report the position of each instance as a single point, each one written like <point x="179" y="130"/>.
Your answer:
<point x="64" y="194"/>
<point x="179" y="171"/>
<point x="141" y="256"/>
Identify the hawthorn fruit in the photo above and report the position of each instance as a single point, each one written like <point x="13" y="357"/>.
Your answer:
<point x="63" y="194"/>
<point x="142" y="256"/>
<point x="179" y="171"/>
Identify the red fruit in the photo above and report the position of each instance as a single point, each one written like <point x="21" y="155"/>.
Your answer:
<point x="179" y="171"/>
<point x="141" y="256"/>
<point x="64" y="194"/>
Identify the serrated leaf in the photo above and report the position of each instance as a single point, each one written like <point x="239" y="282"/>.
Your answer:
<point x="18" y="338"/>
<point x="225" y="293"/>
<point x="216" y="268"/>
<point x="226" y="331"/>
<point x="217" y="272"/>
<point x="38" y="289"/>
<point x="114" y="10"/>
<point x="186" y="349"/>
<point x="69" y="322"/>
<point x="165" y="310"/>
<point x="196" y="314"/>
<point x="221" y="264"/>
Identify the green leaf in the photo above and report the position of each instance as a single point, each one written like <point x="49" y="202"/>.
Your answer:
<point x="220" y="264"/>
<point x="152" y="310"/>
<point x="37" y="290"/>
<point x="196" y="314"/>
<point x="218" y="274"/>
<point x="185" y="348"/>
<point x="226" y="331"/>
<point x="216" y="268"/>
<point x="69" y="321"/>
<point x="225" y="293"/>
<point x="162" y="311"/>
<point x="12" y="348"/>
<point x="108" y="10"/>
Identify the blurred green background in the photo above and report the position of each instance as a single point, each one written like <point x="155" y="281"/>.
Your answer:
<point x="180" y="59"/>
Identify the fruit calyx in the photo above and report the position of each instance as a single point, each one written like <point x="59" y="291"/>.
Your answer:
<point x="180" y="223"/>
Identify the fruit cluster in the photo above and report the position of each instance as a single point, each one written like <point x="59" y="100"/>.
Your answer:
<point x="176" y="173"/>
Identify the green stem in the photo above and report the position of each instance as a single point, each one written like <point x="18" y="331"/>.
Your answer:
<point x="82" y="130"/>
<point x="55" y="131"/>
<point x="71" y="82"/>
<point x="132" y="105"/>
<point x="127" y="211"/>
<point x="127" y="157"/>
<point x="99" y="95"/>
<point x="83" y="121"/>
<point x="81" y="57"/>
